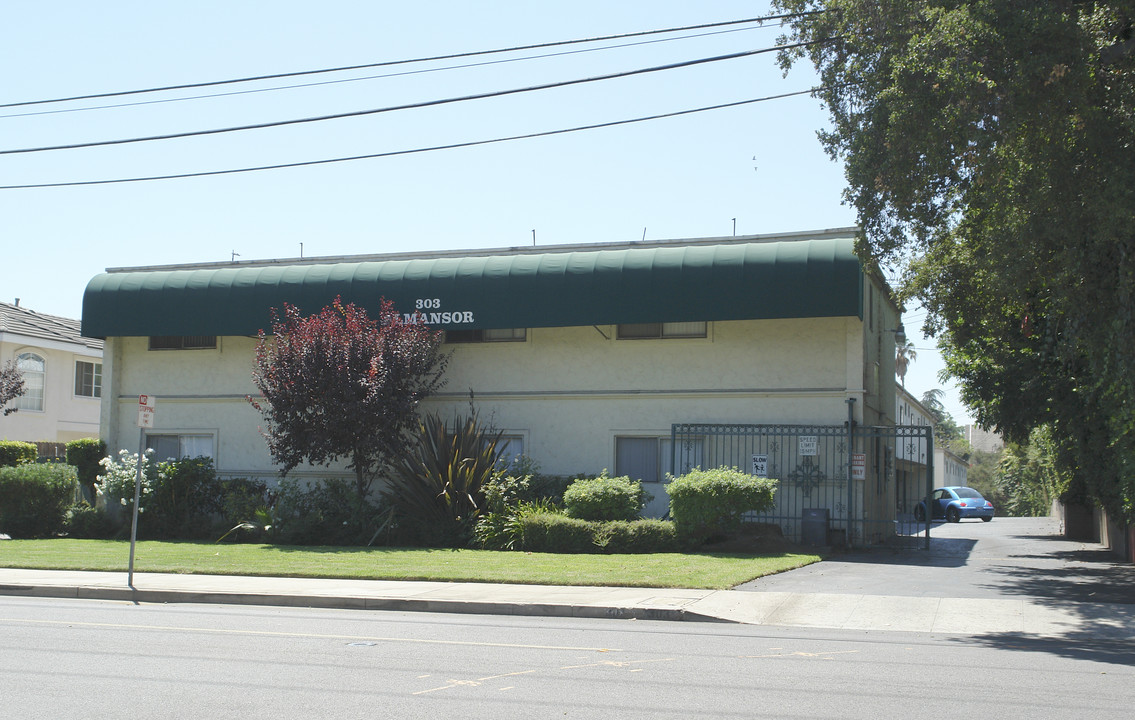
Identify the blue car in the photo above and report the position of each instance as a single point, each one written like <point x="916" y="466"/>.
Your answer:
<point x="955" y="503"/>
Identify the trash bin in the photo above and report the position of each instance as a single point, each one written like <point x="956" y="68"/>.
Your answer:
<point x="814" y="527"/>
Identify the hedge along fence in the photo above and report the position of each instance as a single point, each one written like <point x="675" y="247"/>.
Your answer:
<point x="704" y="503"/>
<point x="34" y="498"/>
<point x="14" y="453"/>
<point x="554" y="532"/>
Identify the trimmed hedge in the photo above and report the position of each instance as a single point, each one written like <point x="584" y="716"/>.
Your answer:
<point x="35" y="498"/>
<point x="14" y="453"/>
<point x="604" y="498"/>
<point x="554" y="532"/>
<point x="704" y="503"/>
<point x="85" y="454"/>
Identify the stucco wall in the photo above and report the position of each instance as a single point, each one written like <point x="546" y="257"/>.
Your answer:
<point x="569" y="392"/>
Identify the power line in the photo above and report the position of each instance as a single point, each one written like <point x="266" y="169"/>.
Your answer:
<point x="418" y="105"/>
<point x="404" y="73"/>
<point x="393" y="153"/>
<point x="451" y="56"/>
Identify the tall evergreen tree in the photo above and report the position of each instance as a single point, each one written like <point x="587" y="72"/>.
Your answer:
<point x="988" y="147"/>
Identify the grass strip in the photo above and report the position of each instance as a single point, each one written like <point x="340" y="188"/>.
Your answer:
<point x="711" y="571"/>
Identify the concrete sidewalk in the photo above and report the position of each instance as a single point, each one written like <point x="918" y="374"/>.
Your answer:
<point x="939" y="615"/>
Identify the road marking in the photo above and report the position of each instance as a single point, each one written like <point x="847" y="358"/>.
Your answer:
<point x="315" y="636"/>
<point x="825" y="655"/>
<point x="450" y="684"/>
<point x="472" y="683"/>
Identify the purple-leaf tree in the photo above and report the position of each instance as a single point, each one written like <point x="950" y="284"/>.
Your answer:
<point x="11" y="385"/>
<point x="339" y="385"/>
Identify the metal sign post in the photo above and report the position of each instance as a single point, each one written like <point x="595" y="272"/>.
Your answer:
<point x="146" y="405"/>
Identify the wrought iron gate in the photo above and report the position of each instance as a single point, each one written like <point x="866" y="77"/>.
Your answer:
<point x="860" y="483"/>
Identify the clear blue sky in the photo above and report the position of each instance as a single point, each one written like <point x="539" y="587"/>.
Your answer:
<point x="691" y="176"/>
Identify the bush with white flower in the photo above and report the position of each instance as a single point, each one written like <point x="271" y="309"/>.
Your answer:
<point x="115" y="484"/>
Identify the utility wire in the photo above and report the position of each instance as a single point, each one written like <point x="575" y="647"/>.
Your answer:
<point x="394" y="153"/>
<point x="410" y="106"/>
<point x="403" y="73"/>
<point x="451" y="56"/>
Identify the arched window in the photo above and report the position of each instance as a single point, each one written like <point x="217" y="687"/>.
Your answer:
<point x="32" y="368"/>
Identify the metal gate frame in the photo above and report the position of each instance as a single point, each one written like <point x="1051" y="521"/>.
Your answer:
<point x="856" y="476"/>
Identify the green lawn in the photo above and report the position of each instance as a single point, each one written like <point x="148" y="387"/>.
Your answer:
<point x="694" y="570"/>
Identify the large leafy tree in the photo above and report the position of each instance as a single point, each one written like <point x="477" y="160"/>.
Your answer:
<point x="339" y="385"/>
<point x="11" y="385"/>
<point x="989" y="148"/>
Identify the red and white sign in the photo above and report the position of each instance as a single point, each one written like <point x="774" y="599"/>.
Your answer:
<point x="858" y="466"/>
<point x="146" y="405"/>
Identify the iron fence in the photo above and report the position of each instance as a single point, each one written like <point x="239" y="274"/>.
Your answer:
<point x="859" y="483"/>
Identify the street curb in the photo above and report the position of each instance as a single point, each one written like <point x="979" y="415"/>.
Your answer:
<point x="478" y="607"/>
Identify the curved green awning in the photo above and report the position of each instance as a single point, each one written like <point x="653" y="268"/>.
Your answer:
<point x="668" y="283"/>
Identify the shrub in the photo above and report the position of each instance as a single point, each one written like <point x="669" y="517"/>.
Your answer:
<point x="708" y="502"/>
<point x="637" y="536"/>
<point x="14" y="453"/>
<point x="604" y="498"/>
<point x="114" y="487"/>
<point x="179" y="499"/>
<point x="34" y="498"/>
<point x="242" y="499"/>
<point x="544" y="530"/>
<point x="184" y="501"/>
<point x="556" y="532"/>
<point x="85" y="454"/>
<point x="437" y="486"/>
<point x="84" y="521"/>
<point x="328" y="512"/>
<point x="496" y="527"/>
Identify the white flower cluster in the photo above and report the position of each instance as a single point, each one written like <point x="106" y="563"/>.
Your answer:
<point x="116" y="483"/>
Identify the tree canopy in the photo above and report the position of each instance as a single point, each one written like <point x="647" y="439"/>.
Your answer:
<point x="988" y="147"/>
<point x="341" y="385"/>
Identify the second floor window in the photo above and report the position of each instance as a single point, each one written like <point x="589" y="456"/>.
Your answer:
<point x="641" y="331"/>
<point x="183" y="342"/>
<point x="88" y="379"/>
<point x="33" y="368"/>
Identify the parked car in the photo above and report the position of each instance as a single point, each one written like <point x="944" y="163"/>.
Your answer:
<point x="955" y="503"/>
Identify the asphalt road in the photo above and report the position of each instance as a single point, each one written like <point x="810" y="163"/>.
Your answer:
<point x="100" y="659"/>
<point x="1005" y="558"/>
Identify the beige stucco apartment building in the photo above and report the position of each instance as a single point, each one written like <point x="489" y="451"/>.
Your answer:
<point x="585" y="356"/>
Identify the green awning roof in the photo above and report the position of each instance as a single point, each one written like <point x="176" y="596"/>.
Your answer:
<point x="661" y="283"/>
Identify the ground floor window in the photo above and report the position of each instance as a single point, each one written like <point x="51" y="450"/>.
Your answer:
<point x="511" y="447"/>
<point x="650" y="459"/>
<point x="639" y="458"/>
<point x="172" y="446"/>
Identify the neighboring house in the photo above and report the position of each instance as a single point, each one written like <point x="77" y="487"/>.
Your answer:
<point x="984" y="440"/>
<point x="62" y="373"/>
<point x="913" y="474"/>
<point x="585" y="356"/>
<point x="949" y="469"/>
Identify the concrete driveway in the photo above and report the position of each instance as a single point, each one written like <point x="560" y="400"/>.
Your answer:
<point x="1006" y="558"/>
